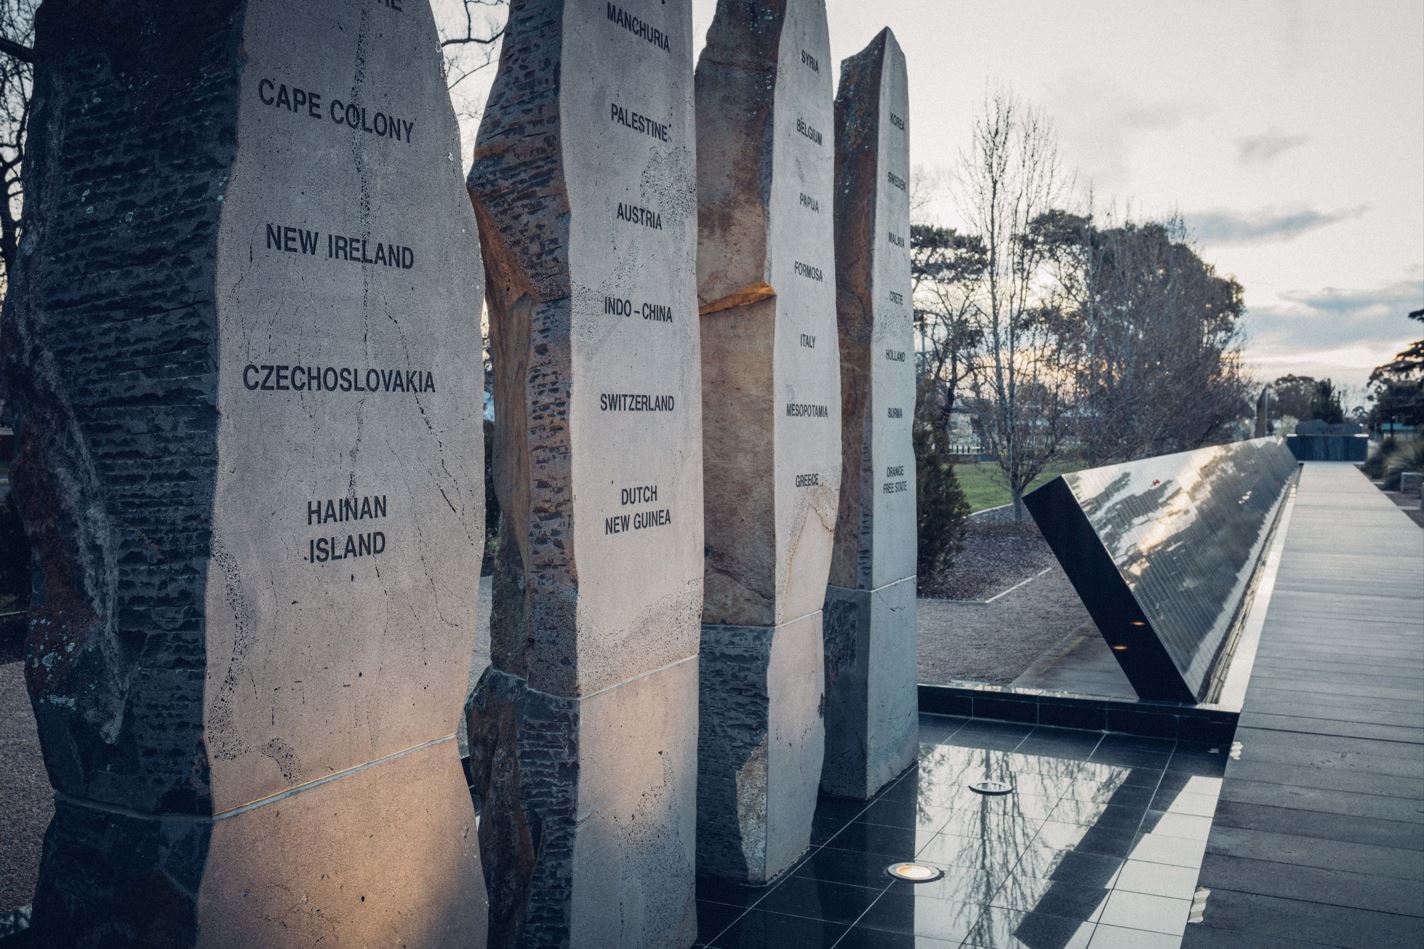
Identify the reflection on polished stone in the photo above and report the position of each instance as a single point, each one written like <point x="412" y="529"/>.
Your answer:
<point x="1083" y="853"/>
<point x="1162" y="552"/>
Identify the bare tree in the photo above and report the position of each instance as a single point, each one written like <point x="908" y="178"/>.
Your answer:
<point x="1158" y="363"/>
<point x="946" y="270"/>
<point x="17" y="28"/>
<point x="1009" y="178"/>
<point x="470" y="34"/>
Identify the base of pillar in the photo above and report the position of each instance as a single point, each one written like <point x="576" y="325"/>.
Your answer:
<point x="872" y="713"/>
<point x="588" y="826"/>
<point x="760" y="747"/>
<point x="383" y="855"/>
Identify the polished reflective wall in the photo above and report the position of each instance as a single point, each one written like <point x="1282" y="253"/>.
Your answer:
<point x="1162" y="551"/>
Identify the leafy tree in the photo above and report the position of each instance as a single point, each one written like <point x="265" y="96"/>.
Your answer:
<point x="1397" y="387"/>
<point x="1158" y="368"/>
<point x="946" y="270"/>
<point x="1292" y="396"/>
<point x="1325" y="403"/>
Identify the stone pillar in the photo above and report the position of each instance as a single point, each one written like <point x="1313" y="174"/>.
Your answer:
<point x="772" y="415"/>
<point x="243" y="347"/>
<point x="583" y="730"/>
<point x="872" y="710"/>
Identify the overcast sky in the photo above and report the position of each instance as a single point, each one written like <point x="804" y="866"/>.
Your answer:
<point x="1290" y="135"/>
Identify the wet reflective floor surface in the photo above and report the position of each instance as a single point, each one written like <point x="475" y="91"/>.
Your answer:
<point x="1098" y="845"/>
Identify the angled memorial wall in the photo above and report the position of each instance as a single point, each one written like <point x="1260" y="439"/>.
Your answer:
<point x="583" y="731"/>
<point x="1162" y="551"/>
<point x="243" y="347"/>
<point x="872" y="714"/>
<point x="771" y="408"/>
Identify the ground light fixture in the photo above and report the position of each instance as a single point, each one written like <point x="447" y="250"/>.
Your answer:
<point x="912" y="872"/>
<point x="990" y="787"/>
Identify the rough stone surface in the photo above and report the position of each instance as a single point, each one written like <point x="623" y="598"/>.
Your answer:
<point x="583" y="184"/>
<point x="771" y="409"/>
<point x="871" y="698"/>
<point x="870" y="659"/>
<point x="248" y="402"/>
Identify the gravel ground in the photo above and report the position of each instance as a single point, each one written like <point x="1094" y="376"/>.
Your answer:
<point x="26" y="802"/>
<point x="965" y="637"/>
<point x="995" y="642"/>
<point x="998" y="552"/>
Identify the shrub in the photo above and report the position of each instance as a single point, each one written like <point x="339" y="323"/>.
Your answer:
<point x="1406" y="457"/>
<point x="942" y="511"/>
<point x="1375" y="464"/>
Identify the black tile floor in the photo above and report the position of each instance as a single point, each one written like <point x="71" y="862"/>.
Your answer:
<point x="1098" y="846"/>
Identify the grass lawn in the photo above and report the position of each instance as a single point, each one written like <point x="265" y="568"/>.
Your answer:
<point x="984" y="486"/>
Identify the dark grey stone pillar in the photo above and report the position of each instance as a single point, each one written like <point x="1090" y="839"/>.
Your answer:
<point x="242" y="343"/>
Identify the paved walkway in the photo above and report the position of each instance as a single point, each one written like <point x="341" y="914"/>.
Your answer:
<point x="1319" y="834"/>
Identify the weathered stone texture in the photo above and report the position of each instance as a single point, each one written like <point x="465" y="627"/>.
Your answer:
<point x="582" y="732"/>
<point x="771" y="410"/>
<point x="871" y="695"/>
<point x="194" y="363"/>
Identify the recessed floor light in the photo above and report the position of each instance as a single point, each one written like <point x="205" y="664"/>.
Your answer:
<point x="992" y="788"/>
<point x="914" y="872"/>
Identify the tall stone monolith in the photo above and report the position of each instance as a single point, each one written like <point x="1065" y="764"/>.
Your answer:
<point x="871" y="697"/>
<point x="243" y="346"/>
<point x="584" y="729"/>
<point x="772" y="414"/>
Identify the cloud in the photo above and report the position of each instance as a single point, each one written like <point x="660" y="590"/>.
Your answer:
<point x="1264" y="225"/>
<point x="1370" y="323"/>
<point x="1266" y="147"/>
<point x="1097" y="116"/>
<point x="1336" y="332"/>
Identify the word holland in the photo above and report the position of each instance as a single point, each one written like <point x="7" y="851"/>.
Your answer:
<point x="281" y="96"/>
<point x="334" y="379"/>
<point x="299" y="240"/>
<point x="639" y="123"/>
<point x="637" y="27"/>
<point x="634" y="214"/>
<point x="807" y="410"/>
<point x="635" y="402"/>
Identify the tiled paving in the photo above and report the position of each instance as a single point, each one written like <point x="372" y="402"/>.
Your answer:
<point x="1098" y="846"/>
<point x="1319" y="836"/>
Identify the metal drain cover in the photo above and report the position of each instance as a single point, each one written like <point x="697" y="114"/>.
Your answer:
<point x="992" y="788"/>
